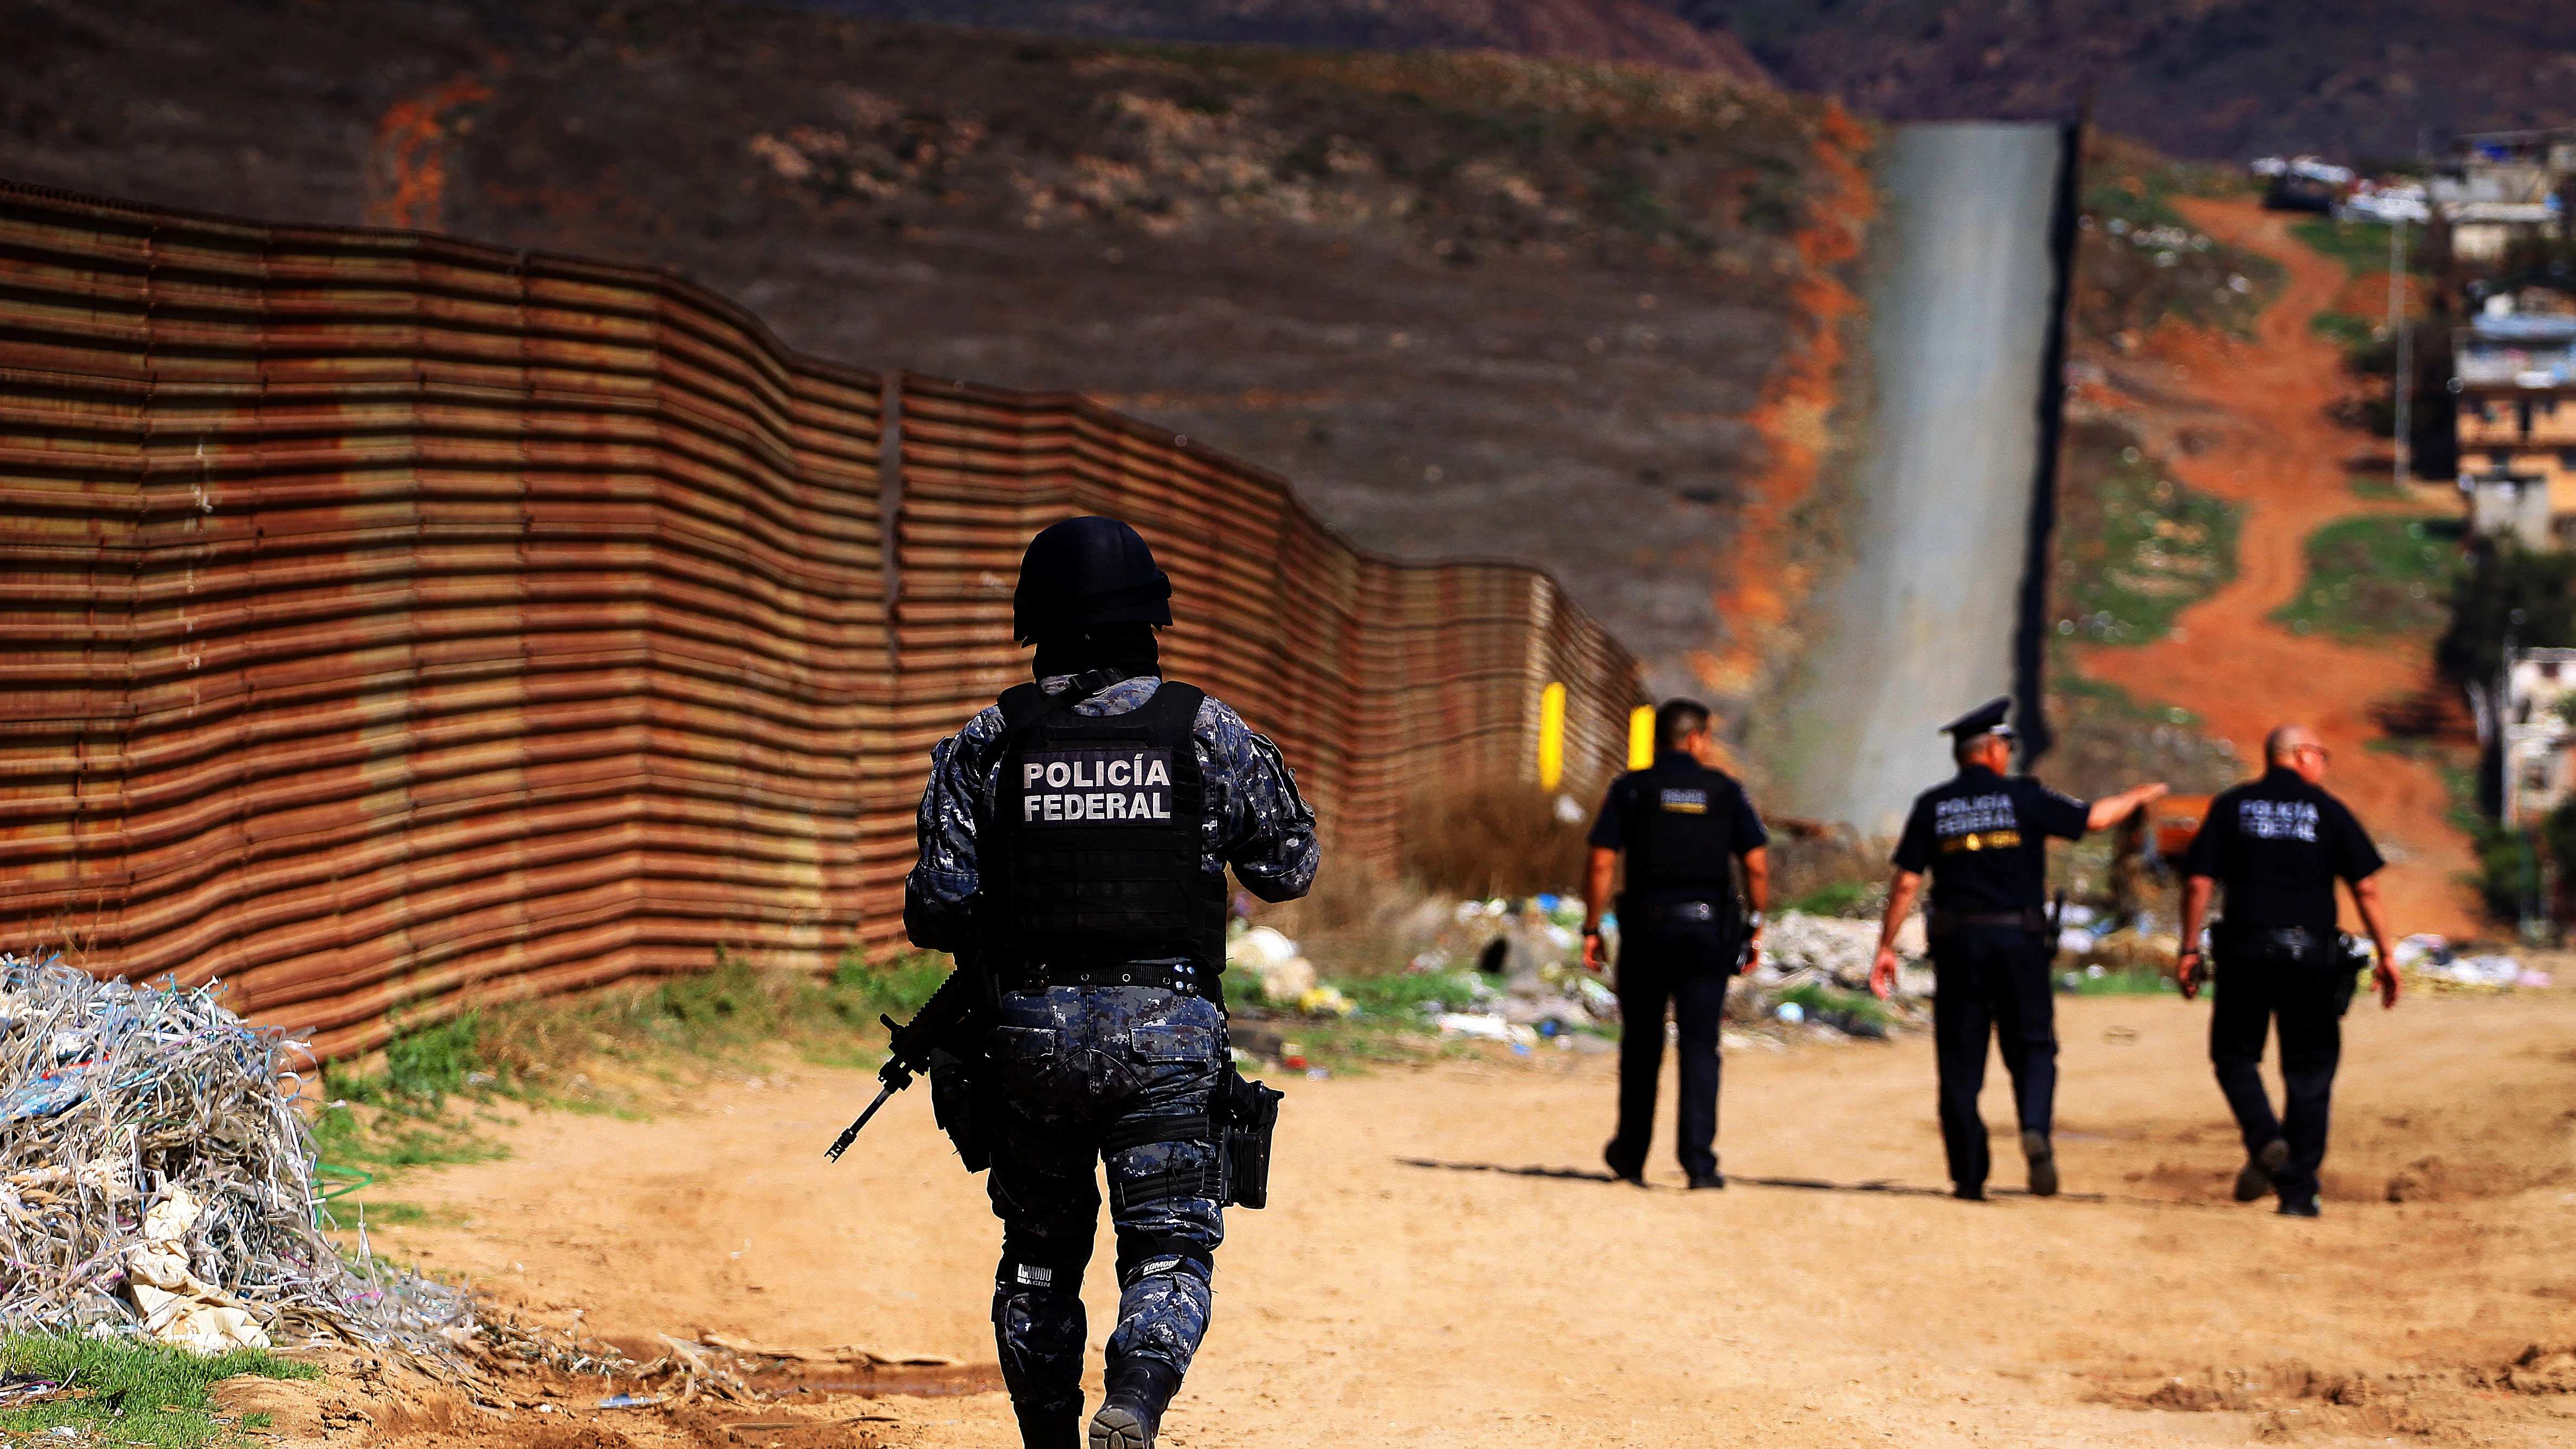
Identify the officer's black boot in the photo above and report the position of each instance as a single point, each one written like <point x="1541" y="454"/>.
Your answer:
<point x="2043" y="1163"/>
<point x="1622" y="1167"/>
<point x="1132" y="1410"/>
<point x="2255" y="1180"/>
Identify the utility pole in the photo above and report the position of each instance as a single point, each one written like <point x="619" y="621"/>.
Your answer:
<point x="2401" y="380"/>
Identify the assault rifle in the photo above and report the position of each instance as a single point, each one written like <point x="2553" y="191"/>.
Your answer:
<point x="941" y="1020"/>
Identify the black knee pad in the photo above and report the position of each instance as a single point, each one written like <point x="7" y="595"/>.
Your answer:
<point x="1031" y="1264"/>
<point x="1142" y="1255"/>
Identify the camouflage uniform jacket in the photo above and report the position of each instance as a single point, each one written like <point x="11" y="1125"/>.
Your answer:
<point x="1255" y="820"/>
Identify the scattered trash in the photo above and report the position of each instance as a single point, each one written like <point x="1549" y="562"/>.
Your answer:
<point x="630" y="1401"/>
<point x="1844" y="950"/>
<point x="2431" y="956"/>
<point x="173" y="1196"/>
<point x="1482" y="1027"/>
<point x="19" y="1389"/>
<point x="179" y="1308"/>
<point x="1791" y="1012"/>
<point x="1325" y="1001"/>
<point x="1274" y="961"/>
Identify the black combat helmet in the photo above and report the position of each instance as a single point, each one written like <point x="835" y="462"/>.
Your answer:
<point x="1084" y="572"/>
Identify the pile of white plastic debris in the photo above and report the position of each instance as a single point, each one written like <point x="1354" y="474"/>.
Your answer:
<point x="156" y="1181"/>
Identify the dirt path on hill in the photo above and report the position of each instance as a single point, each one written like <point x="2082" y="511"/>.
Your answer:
<point x="2271" y="448"/>
<point x="1442" y="1267"/>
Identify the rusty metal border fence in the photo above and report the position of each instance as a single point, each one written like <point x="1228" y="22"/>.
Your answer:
<point x="389" y="622"/>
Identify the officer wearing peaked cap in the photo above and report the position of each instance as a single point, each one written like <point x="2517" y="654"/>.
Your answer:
<point x="1983" y="836"/>
<point x="1074" y="843"/>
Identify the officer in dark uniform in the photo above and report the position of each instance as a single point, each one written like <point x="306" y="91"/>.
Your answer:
<point x="1074" y="841"/>
<point x="1682" y="931"/>
<point x="2279" y="844"/>
<point x="1984" y="837"/>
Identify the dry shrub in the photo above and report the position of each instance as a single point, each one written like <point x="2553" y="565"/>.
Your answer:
<point x="1495" y="839"/>
<point x="1358" y="921"/>
<point x="1832" y="870"/>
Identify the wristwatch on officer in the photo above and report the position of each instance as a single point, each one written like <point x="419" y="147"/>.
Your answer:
<point x="1753" y="920"/>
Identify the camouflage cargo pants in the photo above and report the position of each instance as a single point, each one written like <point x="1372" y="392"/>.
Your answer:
<point x="1080" y="1074"/>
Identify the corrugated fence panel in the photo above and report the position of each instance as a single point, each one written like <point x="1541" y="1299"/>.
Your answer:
<point x="389" y="622"/>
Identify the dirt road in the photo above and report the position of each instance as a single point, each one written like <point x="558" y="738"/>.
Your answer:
<point x="1385" y="1301"/>
<point x="2266" y="443"/>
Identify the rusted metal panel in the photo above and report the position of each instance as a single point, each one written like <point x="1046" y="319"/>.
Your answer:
<point x="389" y="622"/>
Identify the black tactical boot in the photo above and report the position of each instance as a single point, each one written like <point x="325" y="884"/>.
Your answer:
<point x="1708" y="1181"/>
<point x="1057" y="1426"/>
<point x="1133" y="1408"/>
<point x="2043" y="1163"/>
<point x="2256" y="1178"/>
<point x="2299" y="1207"/>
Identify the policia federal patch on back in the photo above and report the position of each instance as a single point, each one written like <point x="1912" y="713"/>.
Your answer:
<point x="1095" y="787"/>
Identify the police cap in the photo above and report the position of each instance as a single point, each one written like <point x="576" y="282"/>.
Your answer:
<point x="1985" y="719"/>
<point x="1087" y="571"/>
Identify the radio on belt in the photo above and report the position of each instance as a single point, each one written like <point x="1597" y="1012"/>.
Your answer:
<point x="1095" y="787"/>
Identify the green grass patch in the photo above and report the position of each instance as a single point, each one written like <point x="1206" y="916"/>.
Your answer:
<point x="1406" y="995"/>
<point x="2377" y="487"/>
<point x="2361" y="246"/>
<point x="2376" y="577"/>
<point x="2351" y="333"/>
<point x="419" y="1106"/>
<point x="349" y="1212"/>
<point x="1842" y="897"/>
<point x="138" y="1393"/>
<point x="2136" y="548"/>
<point x="1828" y="1003"/>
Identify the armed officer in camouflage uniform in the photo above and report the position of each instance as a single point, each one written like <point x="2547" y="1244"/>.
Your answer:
<point x="1074" y="840"/>
<point x="1984" y="837"/>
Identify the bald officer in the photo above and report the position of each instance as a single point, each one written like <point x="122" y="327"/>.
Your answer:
<point x="1984" y="837"/>
<point x="2279" y="844"/>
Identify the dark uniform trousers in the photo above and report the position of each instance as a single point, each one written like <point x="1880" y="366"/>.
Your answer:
<point x="1991" y="980"/>
<point x="1684" y="965"/>
<point x="2260" y="982"/>
<point x="1076" y="1072"/>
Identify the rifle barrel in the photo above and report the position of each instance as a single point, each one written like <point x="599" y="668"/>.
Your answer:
<point x="851" y="1134"/>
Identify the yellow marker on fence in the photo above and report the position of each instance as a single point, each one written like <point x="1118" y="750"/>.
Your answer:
<point x="1641" y="737"/>
<point x="1551" y="736"/>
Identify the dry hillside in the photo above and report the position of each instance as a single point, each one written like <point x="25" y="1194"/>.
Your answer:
<point x="1567" y="310"/>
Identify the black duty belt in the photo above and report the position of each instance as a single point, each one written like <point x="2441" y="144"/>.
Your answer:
<point x="2296" y="940"/>
<point x="2034" y="920"/>
<point x="1682" y="911"/>
<point x="1187" y="978"/>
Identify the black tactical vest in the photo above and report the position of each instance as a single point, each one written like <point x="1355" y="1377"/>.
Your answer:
<point x="1679" y="830"/>
<point x="1094" y="853"/>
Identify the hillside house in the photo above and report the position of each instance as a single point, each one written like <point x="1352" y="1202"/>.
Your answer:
<point x="2538" y="766"/>
<point x="2515" y="387"/>
<point x="2502" y="186"/>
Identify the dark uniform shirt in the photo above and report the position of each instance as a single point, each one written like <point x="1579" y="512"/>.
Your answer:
<point x="2278" y="845"/>
<point x="1985" y="839"/>
<point x="1707" y="792"/>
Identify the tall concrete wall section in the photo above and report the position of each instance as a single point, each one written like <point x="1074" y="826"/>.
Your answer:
<point x="1961" y="297"/>
<point x="389" y="622"/>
